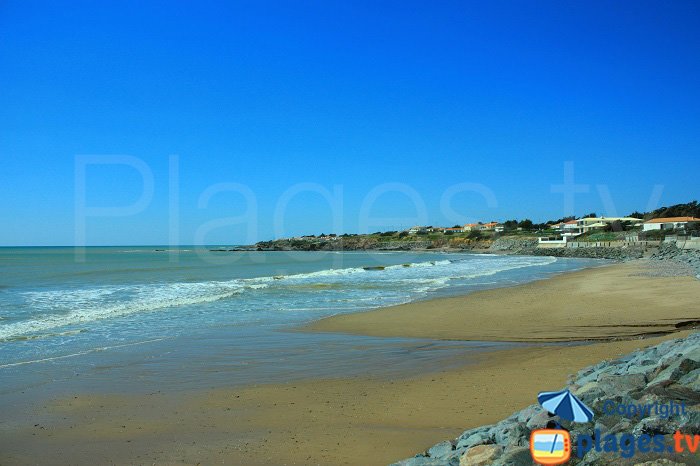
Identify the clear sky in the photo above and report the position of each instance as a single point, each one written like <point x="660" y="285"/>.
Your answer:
<point x="489" y="105"/>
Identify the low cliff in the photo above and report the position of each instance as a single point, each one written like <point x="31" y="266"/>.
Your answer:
<point x="373" y="242"/>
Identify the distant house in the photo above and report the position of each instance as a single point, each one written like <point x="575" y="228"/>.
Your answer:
<point x="489" y="226"/>
<point x="417" y="229"/>
<point x="452" y="230"/>
<point x="669" y="223"/>
<point x="473" y="227"/>
<point x="571" y="228"/>
<point x="557" y="226"/>
<point x="552" y="241"/>
<point x="593" y="223"/>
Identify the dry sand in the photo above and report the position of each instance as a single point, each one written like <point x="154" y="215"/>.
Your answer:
<point x="365" y="421"/>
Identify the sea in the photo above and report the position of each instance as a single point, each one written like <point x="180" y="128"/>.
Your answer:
<point x="117" y="319"/>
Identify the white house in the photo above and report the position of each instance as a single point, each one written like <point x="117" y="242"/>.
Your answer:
<point x="417" y="229"/>
<point x="557" y="226"/>
<point x="472" y="227"/>
<point x="593" y="223"/>
<point x="571" y="228"/>
<point x="489" y="226"/>
<point x="552" y="242"/>
<point x="669" y="223"/>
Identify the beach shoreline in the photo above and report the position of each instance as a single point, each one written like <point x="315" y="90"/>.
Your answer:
<point x="616" y="301"/>
<point x="348" y="420"/>
<point x="355" y="421"/>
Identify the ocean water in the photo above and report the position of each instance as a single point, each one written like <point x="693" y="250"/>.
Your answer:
<point x="143" y="317"/>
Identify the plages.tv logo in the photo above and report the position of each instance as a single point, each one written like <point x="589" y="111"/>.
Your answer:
<point x="553" y="446"/>
<point x="550" y="446"/>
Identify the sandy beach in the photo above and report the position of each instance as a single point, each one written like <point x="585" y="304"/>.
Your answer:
<point x="593" y="304"/>
<point x="349" y="233"/>
<point x="371" y="421"/>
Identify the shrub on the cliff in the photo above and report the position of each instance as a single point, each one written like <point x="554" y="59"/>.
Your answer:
<point x="525" y="224"/>
<point x="459" y="242"/>
<point x="693" y="229"/>
<point x="476" y="234"/>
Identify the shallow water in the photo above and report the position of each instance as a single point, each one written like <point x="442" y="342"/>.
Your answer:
<point x="139" y="319"/>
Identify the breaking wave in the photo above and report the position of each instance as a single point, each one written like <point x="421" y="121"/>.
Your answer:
<point x="53" y="309"/>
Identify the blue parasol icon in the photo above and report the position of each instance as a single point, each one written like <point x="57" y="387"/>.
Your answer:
<point x="565" y="405"/>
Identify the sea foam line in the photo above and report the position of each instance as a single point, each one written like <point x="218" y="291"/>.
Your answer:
<point x="80" y="353"/>
<point x="91" y="305"/>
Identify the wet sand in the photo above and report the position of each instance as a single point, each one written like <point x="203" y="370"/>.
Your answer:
<point x="360" y="420"/>
<point x="357" y="421"/>
<point x="592" y="304"/>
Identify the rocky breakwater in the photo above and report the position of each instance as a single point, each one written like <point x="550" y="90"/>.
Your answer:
<point x="687" y="258"/>
<point x="528" y="246"/>
<point x="514" y="245"/>
<point x="622" y="393"/>
<point x="622" y="253"/>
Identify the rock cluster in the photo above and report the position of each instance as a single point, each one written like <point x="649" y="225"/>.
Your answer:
<point x="668" y="372"/>
<point x="507" y="245"/>
<point x="515" y="245"/>
<point x="619" y="253"/>
<point x="350" y="243"/>
<point x="668" y="252"/>
<point x="528" y="246"/>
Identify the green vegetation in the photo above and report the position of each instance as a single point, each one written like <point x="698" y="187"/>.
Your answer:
<point x="691" y="209"/>
<point x="526" y="224"/>
<point x="524" y="228"/>
<point x="600" y="236"/>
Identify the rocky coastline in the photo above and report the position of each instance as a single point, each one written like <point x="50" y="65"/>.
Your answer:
<point x="349" y="243"/>
<point x="501" y="245"/>
<point x="657" y="376"/>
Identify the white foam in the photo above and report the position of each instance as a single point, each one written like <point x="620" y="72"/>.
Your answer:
<point x="350" y="271"/>
<point x="59" y="308"/>
<point x="80" y="353"/>
<point x="420" y="264"/>
<point x="87" y="305"/>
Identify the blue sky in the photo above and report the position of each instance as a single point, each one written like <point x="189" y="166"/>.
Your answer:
<point x="346" y="95"/>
